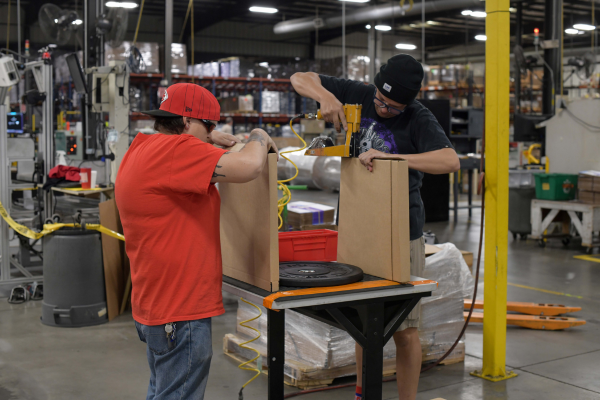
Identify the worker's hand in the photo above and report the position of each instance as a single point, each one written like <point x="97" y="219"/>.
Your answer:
<point x="270" y="143"/>
<point x="223" y="139"/>
<point x="367" y="158"/>
<point x="333" y="111"/>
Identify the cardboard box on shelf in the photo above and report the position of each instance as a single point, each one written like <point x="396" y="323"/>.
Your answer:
<point x="374" y="232"/>
<point x="312" y="125"/>
<point x="304" y="213"/>
<point x="249" y="241"/>
<point x="178" y="58"/>
<point x="589" y="197"/>
<point x="589" y="181"/>
<point x="246" y="103"/>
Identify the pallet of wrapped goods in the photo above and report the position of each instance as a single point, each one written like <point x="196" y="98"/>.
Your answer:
<point x="316" y="352"/>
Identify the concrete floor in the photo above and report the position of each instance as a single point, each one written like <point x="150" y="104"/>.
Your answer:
<point x="108" y="361"/>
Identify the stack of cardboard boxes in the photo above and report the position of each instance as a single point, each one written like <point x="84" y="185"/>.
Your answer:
<point x="304" y="216"/>
<point x="588" y="186"/>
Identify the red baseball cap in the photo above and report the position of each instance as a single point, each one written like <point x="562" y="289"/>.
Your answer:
<point x="188" y="100"/>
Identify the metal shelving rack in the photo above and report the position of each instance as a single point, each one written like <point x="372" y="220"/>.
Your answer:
<point x="43" y="77"/>
<point x="241" y="85"/>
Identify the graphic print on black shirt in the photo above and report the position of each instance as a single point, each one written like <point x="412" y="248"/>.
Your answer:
<point x="375" y="135"/>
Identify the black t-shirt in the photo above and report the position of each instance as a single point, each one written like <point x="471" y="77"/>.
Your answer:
<point x="414" y="131"/>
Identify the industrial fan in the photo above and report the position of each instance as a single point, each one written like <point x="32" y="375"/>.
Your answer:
<point x="522" y="63"/>
<point x="113" y="26"/>
<point x="58" y="24"/>
<point x="585" y="63"/>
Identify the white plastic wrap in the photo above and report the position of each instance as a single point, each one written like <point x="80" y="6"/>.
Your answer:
<point x="313" y="343"/>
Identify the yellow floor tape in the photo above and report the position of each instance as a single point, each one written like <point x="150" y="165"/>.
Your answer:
<point x="588" y="258"/>
<point x="544" y="290"/>
<point x="49" y="228"/>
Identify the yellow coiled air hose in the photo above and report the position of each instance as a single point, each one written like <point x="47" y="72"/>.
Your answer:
<point x="243" y="345"/>
<point x="287" y="194"/>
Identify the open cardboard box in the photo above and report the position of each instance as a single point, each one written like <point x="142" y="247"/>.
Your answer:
<point x="249" y="221"/>
<point x="373" y="232"/>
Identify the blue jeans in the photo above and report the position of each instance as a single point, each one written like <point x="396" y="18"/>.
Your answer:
<point x="178" y="367"/>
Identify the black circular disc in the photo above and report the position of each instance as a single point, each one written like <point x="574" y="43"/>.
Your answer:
<point x="317" y="273"/>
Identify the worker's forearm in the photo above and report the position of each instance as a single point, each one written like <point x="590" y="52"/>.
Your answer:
<point x="436" y="162"/>
<point x="308" y="84"/>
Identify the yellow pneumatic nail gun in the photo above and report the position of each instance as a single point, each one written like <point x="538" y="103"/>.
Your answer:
<point x="325" y="146"/>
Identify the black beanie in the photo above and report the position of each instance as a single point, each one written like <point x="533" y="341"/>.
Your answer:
<point x="400" y="79"/>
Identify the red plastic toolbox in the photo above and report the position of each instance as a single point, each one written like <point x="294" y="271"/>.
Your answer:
<point x="315" y="245"/>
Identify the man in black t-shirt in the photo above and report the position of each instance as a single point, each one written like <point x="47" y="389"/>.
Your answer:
<point x="392" y="122"/>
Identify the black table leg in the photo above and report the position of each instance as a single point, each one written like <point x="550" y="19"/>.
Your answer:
<point x="455" y="197"/>
<point x="275" y="352"/>
<point x="470" y="172"/>
<point x="372" y="368"/>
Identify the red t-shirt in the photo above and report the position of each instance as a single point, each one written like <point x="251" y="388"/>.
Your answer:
<point x="170" y="215"/>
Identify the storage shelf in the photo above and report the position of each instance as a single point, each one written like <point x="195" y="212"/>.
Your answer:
<point x="251" y="117"/>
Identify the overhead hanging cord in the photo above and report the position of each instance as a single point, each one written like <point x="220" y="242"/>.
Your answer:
<point x="8" y="25"/>
<point x="187" y="14"/>
<point x="137" y="28"/>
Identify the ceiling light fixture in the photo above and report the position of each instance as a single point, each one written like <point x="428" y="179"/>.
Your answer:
<point x="121" y="4"/>
<point x="512" y="9"/>
<point x="481" y="37"/>
<point x="478" y="14"/>
<point x="405" y="46"/>
<point x="584" y="27"/>
<point x="571" y="31"/>
<point x="383" y="27"/>
<point x="368" y="26"/>
<point x="266" y="10"/>
<point x="264" y="64"/>
<point x="77" y="22"/>
<point x="466" y="12"/>
<point x="356" y="1"/>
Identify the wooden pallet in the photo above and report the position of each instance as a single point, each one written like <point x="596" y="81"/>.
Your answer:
<point x="306" y="376"/>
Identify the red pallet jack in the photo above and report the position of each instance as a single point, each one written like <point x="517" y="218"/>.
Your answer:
<point x="538" y="315"/>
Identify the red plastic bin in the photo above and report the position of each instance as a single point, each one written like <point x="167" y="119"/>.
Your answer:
<point x="315" y="245"/>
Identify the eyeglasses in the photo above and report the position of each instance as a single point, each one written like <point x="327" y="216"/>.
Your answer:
<point x="382" y="105"/>
<point x="209" y="125"/>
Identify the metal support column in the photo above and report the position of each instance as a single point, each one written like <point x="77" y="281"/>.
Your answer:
<point x="4" y="197"/>
<point x="518" y="42"/>
<point x="552" y="32"/>
<point x="344" y="61"/>
<point x="46" y="139"/>
<point x="371" y="42"/>
<point x="168" y="41"/>
<point x="497" y="77"/>
<point x="276" y="352"/>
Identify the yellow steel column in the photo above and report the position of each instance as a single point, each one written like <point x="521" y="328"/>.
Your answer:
<point x="497" y="59"/>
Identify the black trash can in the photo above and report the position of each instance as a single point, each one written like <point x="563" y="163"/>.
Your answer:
<point x="74" y="293"/>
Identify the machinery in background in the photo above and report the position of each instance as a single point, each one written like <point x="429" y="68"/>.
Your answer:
<point x="109" y="94"/>
<point x="34" y="157"/>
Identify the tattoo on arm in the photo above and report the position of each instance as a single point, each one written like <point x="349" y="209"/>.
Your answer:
<point x="215" y="175"/>
<point x="257" y="137"/>
<point x="227" y="152"/>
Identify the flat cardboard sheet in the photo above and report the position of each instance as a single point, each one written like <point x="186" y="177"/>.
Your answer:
<point x="249" y="241"/>
<point x="116" y="263"/>
<point x="374" y="227"/>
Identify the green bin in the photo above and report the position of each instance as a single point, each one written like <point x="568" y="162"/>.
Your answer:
<point x="555" y="186"/>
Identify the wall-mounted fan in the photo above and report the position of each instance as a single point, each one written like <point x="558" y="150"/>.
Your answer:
<point x="585" y="63"/>
<point x="113" y="26"/>
<point x="522" y="63"/>
<point x="58" y="24"/>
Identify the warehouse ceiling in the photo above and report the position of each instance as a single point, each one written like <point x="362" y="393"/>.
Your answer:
<point x="443" y="30"/>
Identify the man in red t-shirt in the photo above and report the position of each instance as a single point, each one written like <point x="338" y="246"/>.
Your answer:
<point x="169" y="208"/>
